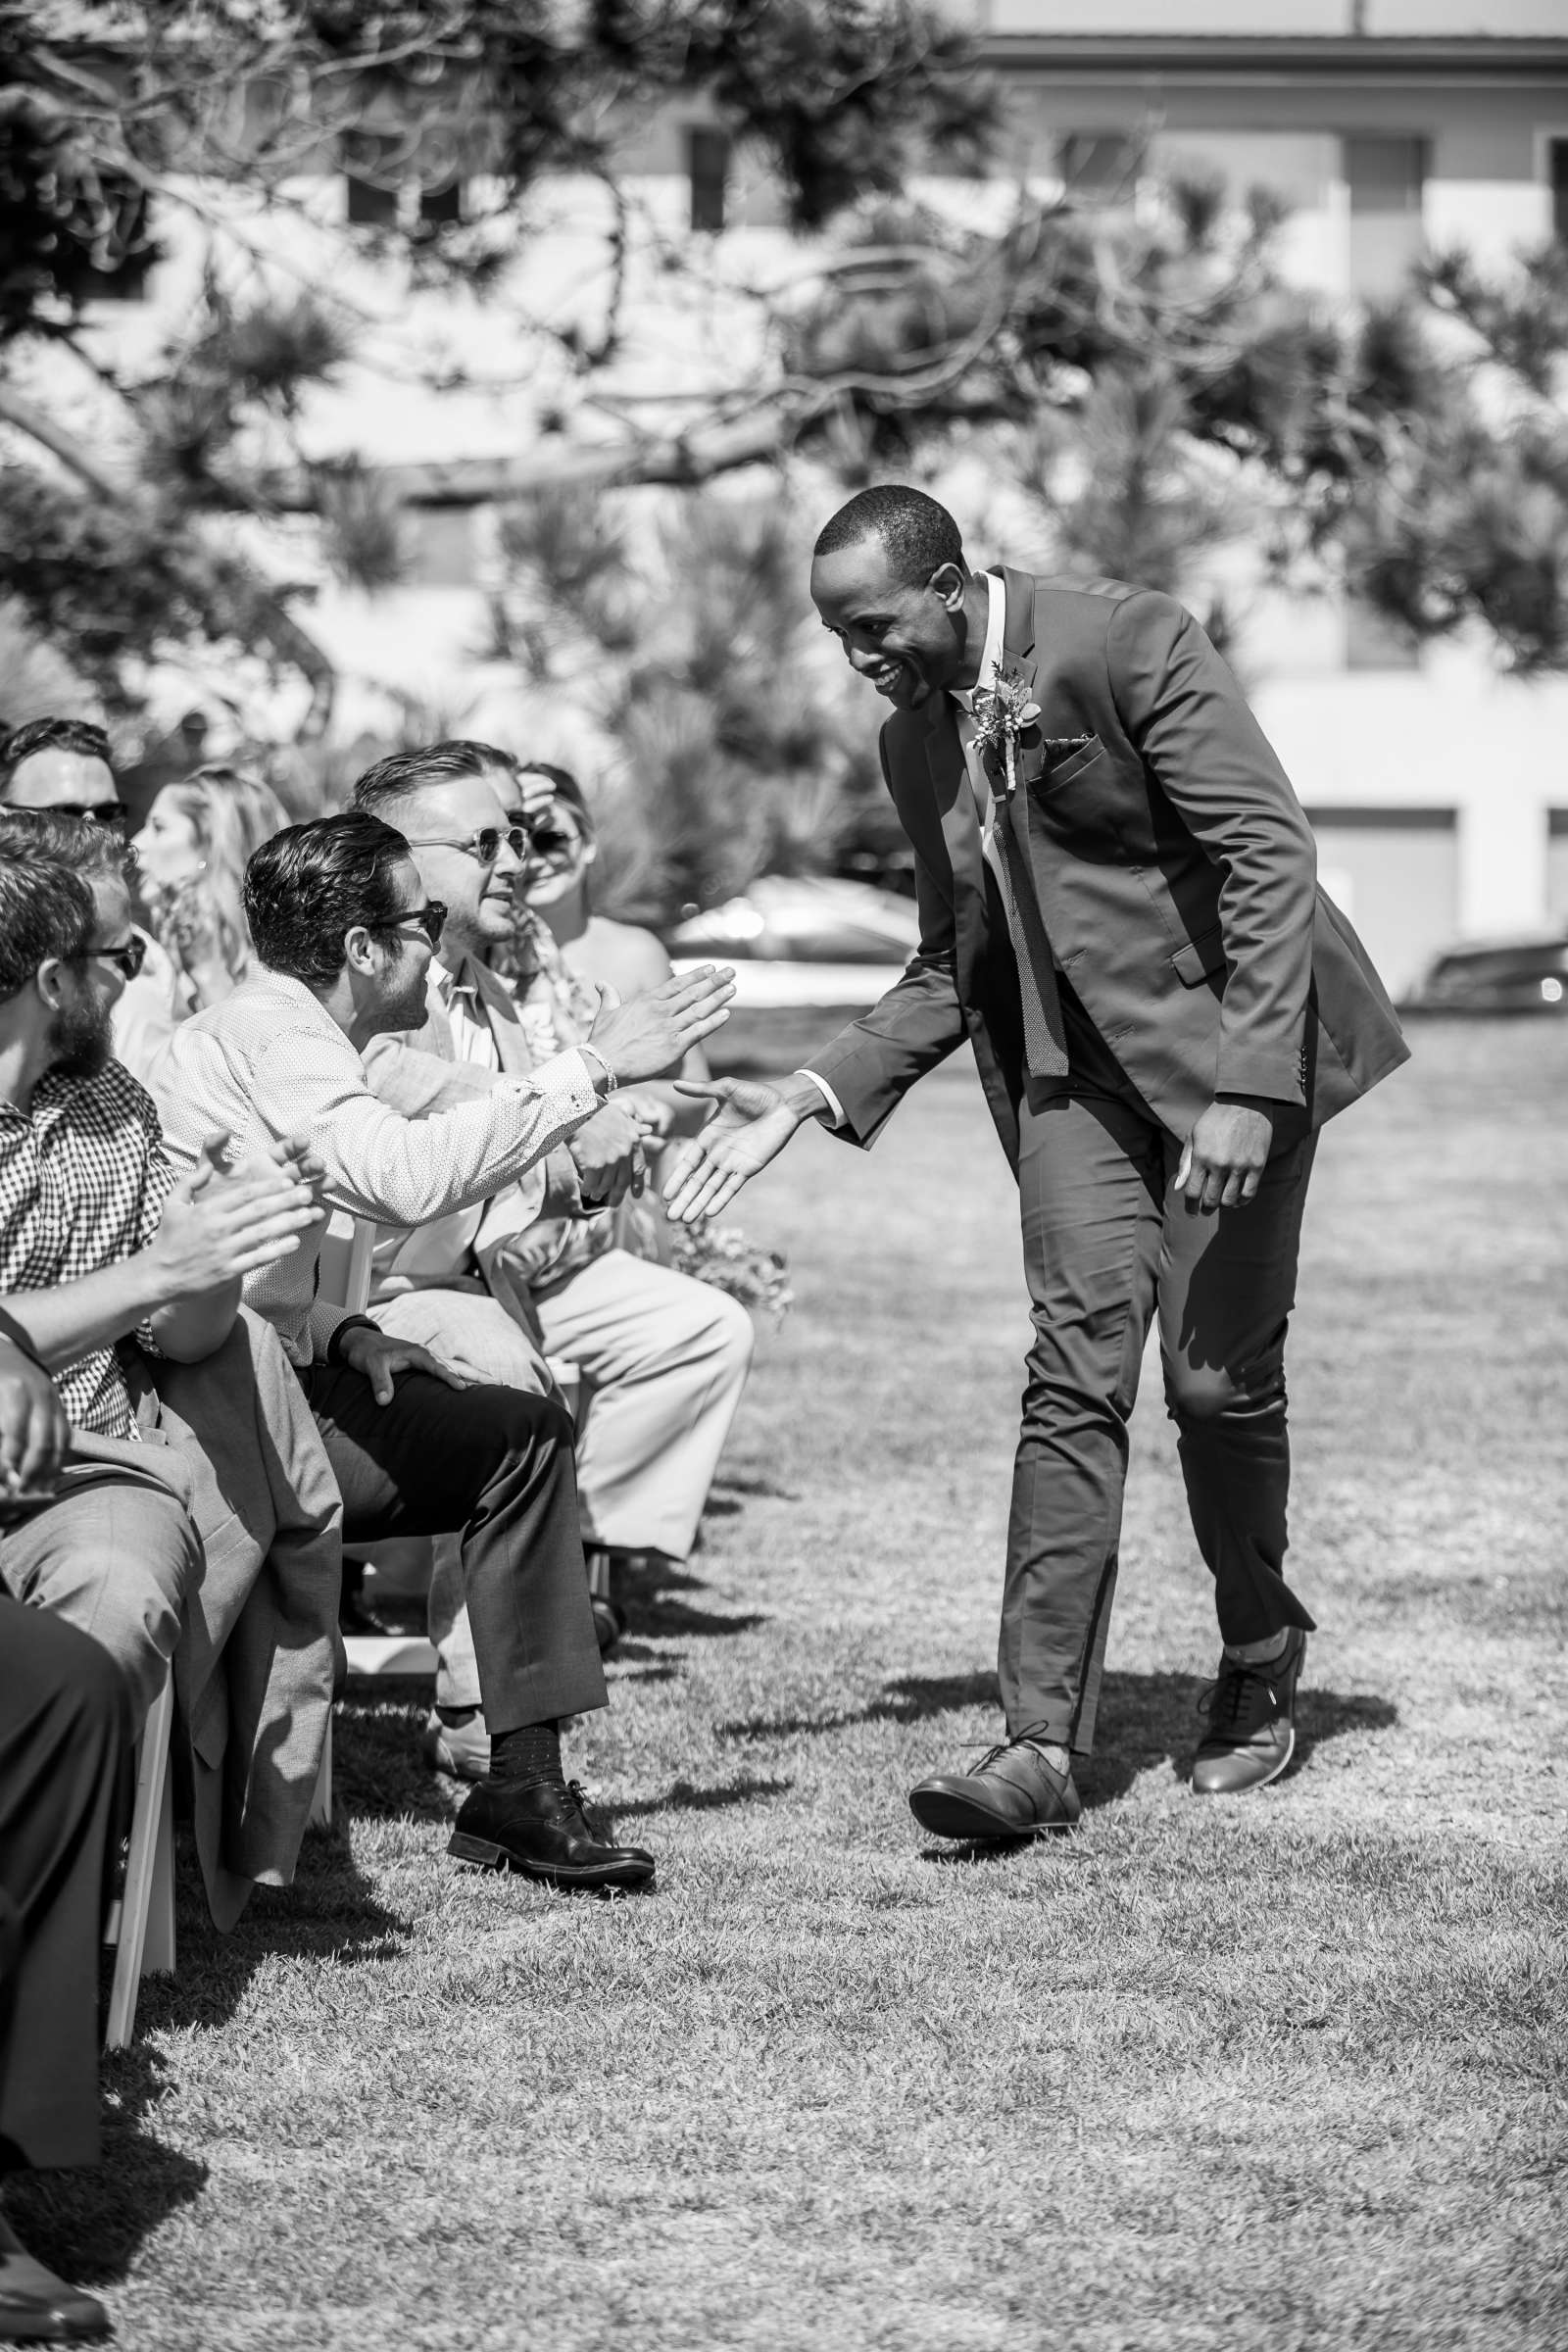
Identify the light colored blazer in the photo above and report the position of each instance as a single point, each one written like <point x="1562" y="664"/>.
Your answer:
<point x="234" y="1439"/>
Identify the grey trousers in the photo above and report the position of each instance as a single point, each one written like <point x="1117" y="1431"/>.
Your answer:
<point x="1106" y="1244"/>
<point x="114" y="1555"/>
<point x="663" y="1362"/>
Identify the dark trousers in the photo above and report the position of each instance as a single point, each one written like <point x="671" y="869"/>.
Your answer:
<point x="1107" y="1240"/>
<point x="64" y="1749"/>
<point x="494" y="1466"/>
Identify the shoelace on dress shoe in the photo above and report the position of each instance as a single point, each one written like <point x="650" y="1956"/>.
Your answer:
<point x="1240" y="1679"/>
<point x="592" y="1821"/>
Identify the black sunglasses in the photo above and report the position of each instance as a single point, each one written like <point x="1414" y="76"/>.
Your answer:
<point x="430" y="917"/>
<point x="96" y="813"/>
<point x="129" y="954"/>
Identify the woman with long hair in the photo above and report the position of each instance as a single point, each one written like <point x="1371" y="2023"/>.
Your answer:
<point x="191" y="857"/>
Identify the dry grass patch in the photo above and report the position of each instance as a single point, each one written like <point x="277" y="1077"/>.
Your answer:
<point x="1283" y="2073"/>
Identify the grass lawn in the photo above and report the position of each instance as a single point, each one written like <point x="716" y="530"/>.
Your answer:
<point x="1287" y="2070"/>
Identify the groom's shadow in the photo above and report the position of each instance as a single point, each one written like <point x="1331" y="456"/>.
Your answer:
<point x="1146" y="1721"/>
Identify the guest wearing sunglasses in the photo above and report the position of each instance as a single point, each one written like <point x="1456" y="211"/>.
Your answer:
<point x="345" y="931"/>
<point x="537" y="1272"/>
<point x="63" y="767"/>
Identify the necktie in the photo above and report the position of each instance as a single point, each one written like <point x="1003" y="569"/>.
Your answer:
<point x="1044" y="1035"/>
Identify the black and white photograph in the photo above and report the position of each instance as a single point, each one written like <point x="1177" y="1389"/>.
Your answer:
<point x="784" y="1175"/>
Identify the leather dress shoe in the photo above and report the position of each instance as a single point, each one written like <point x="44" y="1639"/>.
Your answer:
<point x="460" y="1749"/>
<point x="37" y="2307"/>
<point x="1251" y="1722"/>
<point x="1012" y="1792"/>
<point x="546" y="1832"/>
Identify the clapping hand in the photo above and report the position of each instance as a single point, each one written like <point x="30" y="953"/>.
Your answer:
<point x="224" y="1221"/>
<point x="651" y="1033"/>
<point x="754" y="1124"/>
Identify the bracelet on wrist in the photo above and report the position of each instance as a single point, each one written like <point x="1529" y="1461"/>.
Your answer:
<point x="592" y="1053"/>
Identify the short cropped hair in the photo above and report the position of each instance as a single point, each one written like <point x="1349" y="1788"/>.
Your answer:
<point x="75" y="841"/>
<point x="919" y="536"/>
<point x="45" y="909"/>
<point x="392" y="782"/>
<point x="76" y="735"/>
<point x="309" y="886"/>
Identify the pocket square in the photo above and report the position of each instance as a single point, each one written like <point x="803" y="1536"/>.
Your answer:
<point x="1063" y="747"/>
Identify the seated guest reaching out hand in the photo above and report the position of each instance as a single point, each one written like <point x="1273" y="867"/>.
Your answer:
<point x="537" y="1272"/>
<point x="344" y="934"/>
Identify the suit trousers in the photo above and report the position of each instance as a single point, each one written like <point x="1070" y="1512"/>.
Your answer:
<point x="114" y="1554"/>
<point x="664" y="1360"/>
<point x="1107" y="1241"/>
<point x="64" y="1749"/>
<point x="495" y="1467"/>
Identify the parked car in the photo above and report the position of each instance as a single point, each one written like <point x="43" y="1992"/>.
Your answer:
<point x="809" y="953"/>
<point x="1517" y="975"/>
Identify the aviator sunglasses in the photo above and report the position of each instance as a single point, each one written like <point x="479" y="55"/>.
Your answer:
<point x="525" y="834"/>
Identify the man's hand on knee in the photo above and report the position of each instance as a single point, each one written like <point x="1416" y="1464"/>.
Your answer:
<point x="380" y="1359"/>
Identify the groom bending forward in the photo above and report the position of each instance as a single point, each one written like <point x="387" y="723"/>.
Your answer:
<point x="1119" y="905"/>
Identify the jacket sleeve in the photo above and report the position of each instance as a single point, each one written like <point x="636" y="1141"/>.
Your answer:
<point x="871" y="1064"/>
<point x="1186" y="717"/>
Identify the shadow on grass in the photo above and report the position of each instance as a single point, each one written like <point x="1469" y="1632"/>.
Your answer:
<point x="90" y="2225"/>
<point x="683" y="1796"/>
<point x="645" y="1593"/>
<point x="1144" y="1720"/>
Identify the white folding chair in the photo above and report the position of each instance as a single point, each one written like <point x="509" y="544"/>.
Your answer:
<point x="141" y="1926"/>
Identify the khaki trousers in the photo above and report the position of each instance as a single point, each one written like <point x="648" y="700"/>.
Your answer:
<point x="664" y="1360"/>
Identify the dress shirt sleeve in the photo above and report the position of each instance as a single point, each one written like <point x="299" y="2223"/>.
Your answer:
<point x="403" y="1171"/>
<point x="829" y="1096"/>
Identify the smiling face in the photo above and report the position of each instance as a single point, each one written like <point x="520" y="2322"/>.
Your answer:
<point x="908" y="638"/>
<point x="562" y="851"/>
<point x="478" y="897"/>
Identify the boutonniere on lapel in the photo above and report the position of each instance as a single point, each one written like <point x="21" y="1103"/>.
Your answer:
<point x="1003" y="714"/>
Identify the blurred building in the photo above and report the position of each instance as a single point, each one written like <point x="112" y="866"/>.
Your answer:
<point x="1437" y="786"/>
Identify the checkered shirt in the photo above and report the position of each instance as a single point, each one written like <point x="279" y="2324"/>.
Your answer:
<point x="82" y="1183"/>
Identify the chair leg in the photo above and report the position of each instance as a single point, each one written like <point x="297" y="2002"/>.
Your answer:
<point x="320" y="1816"/>
<point x="151" y="1826"/>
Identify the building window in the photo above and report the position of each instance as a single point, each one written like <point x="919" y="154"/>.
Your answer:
<point x="442" y="204"/>
<point x="1100" y="167"/>
<point x="1387" y="179"/>
<point x="374" y="164"/>
<point x="707" y="165"/>
<point x="1557" y="174"/>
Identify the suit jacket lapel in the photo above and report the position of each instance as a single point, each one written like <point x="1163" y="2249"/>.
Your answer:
<point x="501" y="1012"/>
<point x="960" y="823"/>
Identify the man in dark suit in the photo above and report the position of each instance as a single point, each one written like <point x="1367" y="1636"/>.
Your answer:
<point x="1118" y="907"/>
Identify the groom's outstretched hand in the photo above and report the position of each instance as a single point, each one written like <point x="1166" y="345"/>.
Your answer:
<point x="755" y="1122"/>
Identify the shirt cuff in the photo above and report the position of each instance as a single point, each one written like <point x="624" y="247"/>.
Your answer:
<point x="567" y="1085"/>
<point x="326" y="1322"/>
<point x="823" y="1089"/>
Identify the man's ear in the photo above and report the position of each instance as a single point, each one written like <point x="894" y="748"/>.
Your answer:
<point x="50" y="982"/>
<point x="949" y="581"/>
<point x="360" y="949"/>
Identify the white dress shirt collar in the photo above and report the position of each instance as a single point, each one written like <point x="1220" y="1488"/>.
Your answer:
<point x="991" y="651"/>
